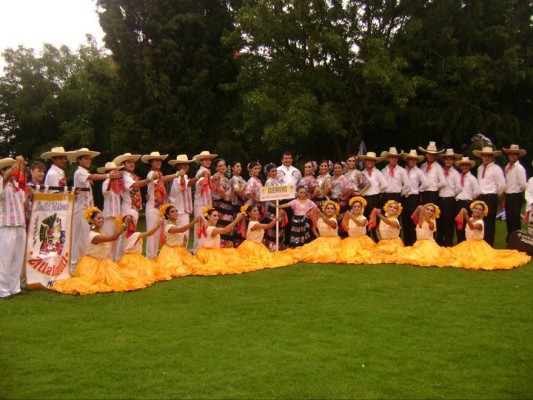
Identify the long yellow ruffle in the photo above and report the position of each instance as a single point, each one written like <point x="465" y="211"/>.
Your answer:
<point x="259" y="257"/>
<point x="387" y="251"/>
<point x="426" y="253"/>
<point x="138" y="265"/>
<point x="478" y="254"/>
<point x="94" y="275"/>
<point x="324" y="249"/>
<point x="357" y="250"/>
<point x="177" y="261"/>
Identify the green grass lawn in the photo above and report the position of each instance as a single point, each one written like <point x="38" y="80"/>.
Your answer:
<point x="306" y="331"/>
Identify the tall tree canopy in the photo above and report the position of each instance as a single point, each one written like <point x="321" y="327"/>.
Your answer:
<point x="171" y="63"/>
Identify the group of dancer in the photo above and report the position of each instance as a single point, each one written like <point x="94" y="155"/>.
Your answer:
<point x="341" y="215"/>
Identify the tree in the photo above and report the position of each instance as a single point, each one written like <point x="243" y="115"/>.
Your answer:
<point x="171" y="64"/>
<point x="318" y="76"/>
<point x="473" y="61"/>
<point x="56" y="98"/>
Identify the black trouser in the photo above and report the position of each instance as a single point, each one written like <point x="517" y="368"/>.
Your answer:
<point x="372" y="201"/>
<point x="392" y="196"/>
<point x="513" y="207"/>
<point x="490" y="219"/>
<point x="459" y="204"/>
<point x="409" y="204"/>
<point x="446" y="221"/>
<point x="430" y="197"/>
<point x="287" y="229"/>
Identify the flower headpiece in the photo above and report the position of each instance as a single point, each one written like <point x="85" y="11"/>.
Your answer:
<point x="314" y="165"/>
<point x="358" y="199"/>
<point x="344" y="166"/>
<point x="163" y="209"/>
<point x="89" y="212"/>
<point x="205" y="211"/>
<point x="436" y="207"/>
<point x="485" y="206"/>
<point x="119" y="221"/>
<point x="244" y="209"/>
<point x="330" y="166"/>
<point x="268" y="167"/>
<point x="327" y="203"/>
<point x="388" y="203"/>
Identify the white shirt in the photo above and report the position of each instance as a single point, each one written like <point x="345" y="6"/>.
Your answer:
<point x="179" y="197"/>
<point x="396" y="183"/>
<point x="255" y="236"/>
<point x="515" y="178"/>
<point x="468" y="189"/>
<point x="174" y="239"/>
<point x="207" y="198"/>
<point x="289" y="176"/>
<point x="378" y="183"/>
<point x="416" y="181"/>
<point x="529" y="195"/>
<point x="435" y="176"/>
<point x="84" y="199"/>
<point x="493" y="181"/>
<point x="450" y="189"/>
<point x="55" y="177"/>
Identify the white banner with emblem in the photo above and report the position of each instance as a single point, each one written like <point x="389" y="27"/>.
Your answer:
<point x="48" y="242"/>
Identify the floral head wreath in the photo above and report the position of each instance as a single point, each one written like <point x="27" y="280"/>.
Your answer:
<point x="314" y="165"/>
<point x="388" y="203"/>
<point x="327" y="203"/>
<point x="485" y="206"/>
<point x="205" y="211"/>
<point x="89" y="212"/>
<point x="268" y="167"/>
<point x="344" y="166"/>
<point x="163" y="209"/>
<point x="330" y="166"/>
<point x="435" y="207"/>
<point x="119" y="221"/>
<point x="358" y="199"/>
<point x="244" y="209"/>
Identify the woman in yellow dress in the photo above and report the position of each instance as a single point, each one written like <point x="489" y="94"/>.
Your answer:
<point x="475" y="253"/>
<point x="357" y="248"/>
<point x="253" y="249"/>
<point x="95" y="272"/>
<point x="325" y="248"/>
<point x="133" y="260"/>
<point x="426" y="252"/>
<point x="173" y="257"/>
<point x="214" y="260"/>
<point x="390" y="244"/>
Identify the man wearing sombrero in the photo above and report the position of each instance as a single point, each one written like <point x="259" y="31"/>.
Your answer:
<point x="378" y="184"/>
<point x="12" y="227"/>
<point x="468" y="191"/>
<point x="492" y="185"/>
<point x="202" y="194"/>
<point x="56" y="173"/>
<point x="394" y="174"/>
<point x="434" y="174"/>
<point x="416" y="181"/>
<point x="446" y="223"/>
<point x="83" y="179"/>
<point x="515" y="185"/>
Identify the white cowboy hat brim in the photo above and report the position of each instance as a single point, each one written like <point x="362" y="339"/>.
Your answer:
<point x="521" y="152"/>
<point x="174" y="162"/>
<point x="51" y="154"/>
<point x="454" y="155"/>
<point x="386" y="154"/>
<point x="461" y="162"/>
<point x="376" y="159"/>
<point x="495" y="153"/>
<point x="430" y="151"/>
<point x="74" y="155"/>
<point x="199" y="157"/>
<point x="407" y="156"/>
<point x="119" y="160"/>
<point x="147" y="158"/>
<point x="102" y="170"/>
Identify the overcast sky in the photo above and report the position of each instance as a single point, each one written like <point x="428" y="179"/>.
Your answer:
<point x="34" y="22"/>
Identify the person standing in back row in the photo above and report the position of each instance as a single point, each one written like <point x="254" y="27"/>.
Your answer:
<point x="492" y="185"/>
<point x="288" y="175"/>
<point x="434" y="174"/>
<point x="515" y="186"/>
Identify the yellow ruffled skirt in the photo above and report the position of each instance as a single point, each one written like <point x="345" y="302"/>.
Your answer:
<point x="94" y="275"/>
<point x="357" y="250"/>
<point x="387" y="251"/>
<point x="176" y="261"/>
<point x="259" y="257"/>
<point x="426" y="253"/>
<point x="138" y="265"/>
<point x="324" y="250"/>
<point x="478" y="254"/>
<point x="221" y="262"/>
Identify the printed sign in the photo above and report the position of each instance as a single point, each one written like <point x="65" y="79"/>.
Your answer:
<point x="48" y="240"/>
<point x="276" y="192"/>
